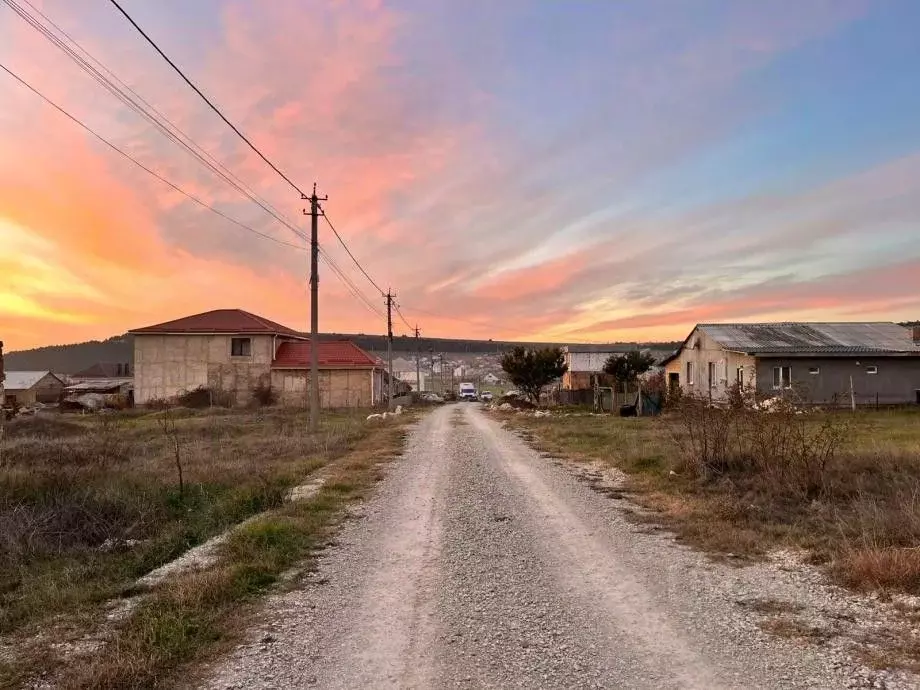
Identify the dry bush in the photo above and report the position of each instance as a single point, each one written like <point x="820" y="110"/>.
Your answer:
<point x="776" y="440"/>
<point x="202" y="397"/>
<point x="264" y="396"/>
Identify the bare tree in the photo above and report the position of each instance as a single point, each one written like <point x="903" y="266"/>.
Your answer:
<point x="168" y="425"/>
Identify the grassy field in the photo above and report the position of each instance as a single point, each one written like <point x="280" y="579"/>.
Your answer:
<point x="856" y="509"/>
<point x="88" y="505"/>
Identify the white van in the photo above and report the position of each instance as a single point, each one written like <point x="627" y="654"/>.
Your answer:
<point x="467" y="392"/>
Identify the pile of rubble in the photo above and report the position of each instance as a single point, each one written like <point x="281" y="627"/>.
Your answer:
<point x="385" y="415"/>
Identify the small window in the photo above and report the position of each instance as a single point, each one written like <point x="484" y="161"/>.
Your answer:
<point x="814" y="371"/>
<point x="690" y="377"/>
<point x="240" y="347"/>
<point x="782" y="377"/>
<point x="712" y="374"/>
<point x="871" y="369"/>
<point x="739" y="377"/>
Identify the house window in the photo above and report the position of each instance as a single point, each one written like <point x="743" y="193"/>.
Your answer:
<point x="782" y="377"/>
<point x="872" y="369"/>
<point x="240" y="347"/>
<point x="690" y="377"/>
<point x="712" y="374"/>
<point x="814" y="371"/>
<point x="739" y="377"/>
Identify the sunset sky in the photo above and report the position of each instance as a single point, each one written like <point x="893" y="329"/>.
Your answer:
<point x="580" y="170"/>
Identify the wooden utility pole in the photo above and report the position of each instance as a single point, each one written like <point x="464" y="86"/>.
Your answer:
<point x="418" y="354"/>
<point x="390" y="347"/>
<point x="313" y="384"/>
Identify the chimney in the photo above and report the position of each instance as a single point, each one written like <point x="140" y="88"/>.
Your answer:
<point x="916" y="330"/>
<point x="2" y="375"/>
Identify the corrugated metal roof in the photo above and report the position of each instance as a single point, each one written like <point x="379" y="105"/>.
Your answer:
<point x="100" y="385"/>
<point x="813" y="338"/>
<point x="333" y="354"/>
<point x="23" y="380"/>
<point x="220" y="321"/>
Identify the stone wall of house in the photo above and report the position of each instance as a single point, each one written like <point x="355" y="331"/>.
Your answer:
<point x="338" y="388"/>
<point x="699" y="378"/>
<point x="168" y="365"/>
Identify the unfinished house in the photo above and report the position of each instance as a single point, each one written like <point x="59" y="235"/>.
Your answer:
<point x="348" y="376"/>
<point x="869" y="363"/>
<point x="228" y="350"/>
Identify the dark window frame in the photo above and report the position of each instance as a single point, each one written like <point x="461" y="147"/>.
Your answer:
<point x="241" y="347"/>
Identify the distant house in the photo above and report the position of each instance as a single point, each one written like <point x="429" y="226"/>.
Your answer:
<point x="491" y="379"/>
<point x="819" y="360"/>
<point x="104" y="370"/>
<point x="234" y="351"/>
<point x="583" y="362"/>
<point x="409" y="377"/>
<point x="30" y="387"/>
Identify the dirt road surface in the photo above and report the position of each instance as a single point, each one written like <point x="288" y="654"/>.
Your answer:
<point x="481" y="564"/>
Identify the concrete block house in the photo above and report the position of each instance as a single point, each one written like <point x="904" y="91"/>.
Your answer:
<point x="818" y="360"/>
<point x="234" y="351"/>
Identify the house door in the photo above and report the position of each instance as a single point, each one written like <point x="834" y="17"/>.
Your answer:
<point x="673" y="381"/>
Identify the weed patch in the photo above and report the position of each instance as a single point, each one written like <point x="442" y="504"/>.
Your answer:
<point x="77" y="529"/>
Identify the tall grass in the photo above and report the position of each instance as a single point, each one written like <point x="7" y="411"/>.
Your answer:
<point x="87" y="506"/>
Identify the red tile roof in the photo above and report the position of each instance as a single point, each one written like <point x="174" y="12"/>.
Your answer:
<point x="333" y="354"/>
<point x="220" y="321"/>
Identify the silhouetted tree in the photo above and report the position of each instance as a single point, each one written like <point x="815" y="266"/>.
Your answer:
<point x="531" y="370"/>
<point x="627" y="368"/>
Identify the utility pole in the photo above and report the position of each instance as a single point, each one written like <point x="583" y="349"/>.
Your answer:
<point x="390" y="347"/>
<point x="313" y="384"/>
<point x="418" y="371"/>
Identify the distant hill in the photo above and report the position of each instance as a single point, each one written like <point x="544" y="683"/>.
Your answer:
<point x="67" y="359"/>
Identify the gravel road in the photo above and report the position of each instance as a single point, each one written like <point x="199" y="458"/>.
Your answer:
<point x="480" y="563"/>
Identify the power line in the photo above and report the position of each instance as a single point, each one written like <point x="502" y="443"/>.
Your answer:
<point x="207" y="100"/>
<point x="143" y="167"/>
<point x="357" y="263"/>
<point x="242" y="136"/>
<point x="150" y="113"/>
<point x="349" y="284"/>
<point x="408" y="325"/>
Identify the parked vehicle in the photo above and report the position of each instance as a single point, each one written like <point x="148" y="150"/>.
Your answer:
<point x="486" y="396"/>
<point x="467" y="392"/>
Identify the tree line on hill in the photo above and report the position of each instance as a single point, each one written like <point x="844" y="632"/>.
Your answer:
<point x="67" y="359"/>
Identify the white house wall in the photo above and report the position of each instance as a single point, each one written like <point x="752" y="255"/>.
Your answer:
<point x="701" y="350"/>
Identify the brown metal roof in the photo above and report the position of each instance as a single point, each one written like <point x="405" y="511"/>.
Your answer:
<point x="219" y="321"/>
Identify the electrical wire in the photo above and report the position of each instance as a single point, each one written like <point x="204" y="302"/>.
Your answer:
<point x="408" y="325"/>
<point x="143" y="167"/>
<point x="242" y="136"/>
<point x="207" y="100"/>
<point x="143" y="108"/>
<point x="348" y="251"/>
